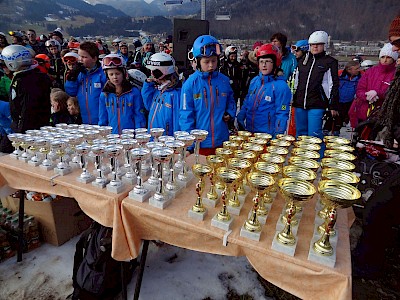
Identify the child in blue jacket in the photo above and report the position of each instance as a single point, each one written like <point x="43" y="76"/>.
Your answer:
<point x="266" y="106"/>
<point x="121" y="105"/>
<point x="207" y="100"/>
<point x="161" y="93"/>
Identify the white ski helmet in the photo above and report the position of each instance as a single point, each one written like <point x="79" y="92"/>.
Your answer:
<point x="113" y="61"/>
<point x="162" y="62"/>
<point x="16" y="57"/>
<point x="366" y="64"/>
<point x="137" y="78"/>
<point x="318" y="37"/>
<point x="230" y="50"/>
<point x="53" y="43"/>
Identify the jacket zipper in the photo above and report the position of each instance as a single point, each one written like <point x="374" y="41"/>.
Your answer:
<point x="308" y="81"/>
<point x="212" y="113"/>
<point x="119" y="116"/>
<point x="255" y="102"/>
<point x="87" y="102"/>
<point x="216" y="90"/>
<point x="205" y="97"/>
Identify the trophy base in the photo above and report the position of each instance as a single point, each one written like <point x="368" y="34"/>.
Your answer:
<point x="129" y="180"/>
<point x="101" y="184"/>
<point x="62" y="172"/>
<point x="116" y="189"/>
<point x="210" y="203"/>
<point x="24" y="159"/>
<point x="175" y="192"/>
<point x="146" y="172"/>
<point x="74" y="166"/>
<point x="187" y="180"/>
<point x="255" y="236"/>
<point x="85" y="179"/>
<point x="224" y="225"/>
<point x="318" y="258"/>
<point x="140" y="197"/>
<point x="150" y="187"/>
<point x="46" y="168"/>
<point x="160" y="204"/>
<point x="286" y="249"/>
<point x="261" y="218"/>
<point x="280" y="225"/>
<point x="197" y="215"/>
<point x="34" y="163"/>
<point x="235" y="210"/>
<point x="14" y="156"/>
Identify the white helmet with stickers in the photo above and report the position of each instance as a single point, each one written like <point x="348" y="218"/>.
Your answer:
<point x="17" y="57"/>
<point x="161" y="64"/>
<point x="137" y="78"/>
<point x="318" y="37"/>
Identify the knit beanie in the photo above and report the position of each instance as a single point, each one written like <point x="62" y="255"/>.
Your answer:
<point x="387" y="51"/>
<point x="394" y="29"/>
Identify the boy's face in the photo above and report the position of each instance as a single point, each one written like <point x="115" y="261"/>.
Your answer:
<point x="354" y="71"/>
<point x="266" y="65"/>
<point x="317" y="48"/>
<point x="87" y="61"/>
<point x="209" y="64"/>
<point x="115" y="76"/>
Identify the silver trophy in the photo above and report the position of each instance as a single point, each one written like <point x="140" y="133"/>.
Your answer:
<point x="16" y="139"/>
<point x="115" y="185"/>
<point x="75" y="140"/>
<point x="161" y="155"/>
<point x="172" y="185"/>
<point x="98" y="152"/>
<point x="37" y="144"/>
<point x="156" y="133"/>
<point x="83" y="150"/>
<point x="200" y="135"/>
<point x="140" y="131"/>
<point x="58" y="146"/>
<point x="177" y="134"/>
<point x="27" y="141"/>
<point x="128" y="131"/>
<point x="91" y="135"/>
<point x="165" y="138"/>
<point x="143" y="139"/>
<point x="105" y="130"/>
<point x="47" y="163"/>
<point x="152" y="181"/>
<point x="128" y="145"/>
<point x="139" y="193"/>
<point x="185" y="175"/>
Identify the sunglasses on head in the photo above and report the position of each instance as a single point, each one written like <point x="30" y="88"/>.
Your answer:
<point x="210" y="50"/>
<point x="396" y="43"/>
<point x="112" y="61"/>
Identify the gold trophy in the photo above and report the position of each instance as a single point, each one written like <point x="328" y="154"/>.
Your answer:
<point x="198" y="211"/>
<point x="286" y="137"/>
<point x="259" y="182"/>
<point x="337" y="195"/>
<point x="305" y="153"/>
<point x="278" y="150"/>
<point x="258" y="141"/>
<point x="280" y="143"/>
<point x="338" y="154"/>
<point x="257" y="149"/>
<point x="292" y="171"/>
<point x="225" y="153"/>
<point x="329" y="162"/>
<point x="244" y="134"/>
<point x="231" y="145"/>
<point x="246" y="154"/>
<point x="238" y="139"/>
<point x="336" y="140"/>
<point x="228" y="176"/>
<point x="340" y="147"/>
<point x="304" y="162"/>
<point x="307" y="146"/>
<point x="263" y="135"/>
<point x="273" y="170"/>
<point x="309" y="139"/>
<point x="295" y="192"/>
<point x="215" y="161"/>
<point x="273" y="158"/>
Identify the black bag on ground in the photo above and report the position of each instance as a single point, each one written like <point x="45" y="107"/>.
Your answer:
<point x="96" y="275"/>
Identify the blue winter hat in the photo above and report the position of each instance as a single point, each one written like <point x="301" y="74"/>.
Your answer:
<point x="301" y="45"/>
<point x="147" y="40"/>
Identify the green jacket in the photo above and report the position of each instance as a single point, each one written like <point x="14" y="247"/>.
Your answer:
<point x="5" y="83"/>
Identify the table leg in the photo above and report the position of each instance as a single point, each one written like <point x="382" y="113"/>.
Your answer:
<point x="145" y="248"/>
<point x="21" y="225"/>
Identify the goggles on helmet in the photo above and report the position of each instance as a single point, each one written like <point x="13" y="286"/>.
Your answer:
<point x="210" y="50"/>
<point x="157" y="74"/>
<point x="112" y="61"/>
<point x="69" y="59"/>
<point x="295" y="48"/>
<point x="232" y="50"/>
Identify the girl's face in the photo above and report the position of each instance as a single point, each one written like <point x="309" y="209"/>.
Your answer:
<point x="265" y="65"/>
<point x="72" y="109"/>
<point x="386" y="60"/>
<point x="115" y="76"/>
<point x="54" y="105"/>
<point x="209" y="64"/>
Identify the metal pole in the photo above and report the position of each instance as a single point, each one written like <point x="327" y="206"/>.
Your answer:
<point x="21" y="225"/>
<point x="145" y="247"/>
<point x="203" y="9"/>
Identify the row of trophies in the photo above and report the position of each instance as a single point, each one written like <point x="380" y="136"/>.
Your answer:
<point x="264" y="164"/>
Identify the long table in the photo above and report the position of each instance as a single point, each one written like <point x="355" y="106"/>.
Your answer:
<point x="133" y="222"/>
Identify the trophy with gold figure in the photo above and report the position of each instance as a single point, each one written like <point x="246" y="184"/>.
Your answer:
<point x="214" y="161"/>
<point x="198" y="211"/>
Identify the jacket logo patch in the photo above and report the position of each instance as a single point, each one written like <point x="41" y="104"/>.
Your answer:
<point x="283" y="107"/>
<point x="168" y="105"/>
<point x="267" y="98"/>
<point x="196" y="96"/>
<point x="97" y="85"/>
<point x="223" y="94"/>
<point x="129" y="104"/>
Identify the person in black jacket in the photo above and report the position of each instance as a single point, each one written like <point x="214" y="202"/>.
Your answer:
<point x="30" y="90"/>
<point x="317" y="87"/>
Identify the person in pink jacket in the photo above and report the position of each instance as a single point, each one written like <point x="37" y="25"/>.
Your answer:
<point x="373" y="85"/>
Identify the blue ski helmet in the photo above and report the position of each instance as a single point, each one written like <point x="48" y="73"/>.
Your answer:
<point x="206" y="46"/>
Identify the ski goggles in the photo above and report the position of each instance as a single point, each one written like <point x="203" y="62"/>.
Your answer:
<point x="112" y="61"/>
<point x="69" y="59"/>
<point x="210" y="50"/>
<point x="396" y="43"/>
<point x="157" y="74"/>
<point x="295" y="48"/>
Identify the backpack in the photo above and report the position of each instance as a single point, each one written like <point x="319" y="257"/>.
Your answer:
<point x="96" y="275"/>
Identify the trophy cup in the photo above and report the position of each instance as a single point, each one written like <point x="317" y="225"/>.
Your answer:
<point x="16" y="139"/>
<point x="184" y="175"/>
<point x="98" y="152"/>
<point x="329" y="162"/>
<point x="258" y="141"/>
<point x="161" y="199"/>
<point x="259" y="182"/>
<point x="293" y="171"/>
<point x="231" y="145"/>
<point x="200" y="135"/>
<point x="307" y="146"/>
<point x="336" y="140"/>
<point x="214" y="161"/>
<point x="106" y="130"/>
<point x="278" y="150"/>
<point x="333" y="146"/>
<point x="143" y="139"/>
<point x="238" y="139"/>
<point x="140" y="131"/>
<point x="198" y="211"/>
<point x="304" y="162"/>
<point x="47" y="164"/>
<point x="286" y="137"/>
<point x="26" y="142"/>
<point x="37" y="144"/>
<point x="225" y="153"/>
<point x="337" y="195"/>
<point x="309" y="139"/>
<point x="128" y="145"/>
<point x="75" y="140"/>
<point x="166" y="138"/>
<point x="338" y="154"/>
<point x="152" y="181"/>
<point x="257" y="149"/>
<point x="280" y="143"/>
<point x="116" y="185"/>
<point x="172" y="186"/>
<point x="295" y="192"/>
<point x="243" y="166"/>
<point x="90" y="135"/>
<point x="244" y="134"/>
<point x="139" y="192"/>
<point x="156" y="133"/>
<point x="58" y="146"/>
<point x="265" y="197"/>
<point x="177" y="134"/>
<point x="223" y="219"/>
<point x="82" y="151"/>
<point x="263" y="135"/>
<point x="113" y="136"/>
<point x="305" y="153"/>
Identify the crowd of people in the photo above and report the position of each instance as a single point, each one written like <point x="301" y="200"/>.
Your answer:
<point x="47" y="80"/>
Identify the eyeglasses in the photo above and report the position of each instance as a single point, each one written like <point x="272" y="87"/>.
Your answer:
<point x="396" y="43"/>
<point x="210" y="50"/>
<point x="69" y="59"/>
<point x="112" y="61"/>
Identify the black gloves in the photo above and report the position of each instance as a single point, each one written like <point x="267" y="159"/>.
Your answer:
<point x="73" y="74"/>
